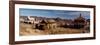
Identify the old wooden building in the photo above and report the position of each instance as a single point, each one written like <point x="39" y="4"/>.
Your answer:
<point x="79" y="22"/>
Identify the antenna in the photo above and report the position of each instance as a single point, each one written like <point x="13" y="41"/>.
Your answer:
<point x="80" y="15"/>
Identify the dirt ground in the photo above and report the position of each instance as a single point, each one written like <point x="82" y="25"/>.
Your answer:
<point x="26" y="29"/>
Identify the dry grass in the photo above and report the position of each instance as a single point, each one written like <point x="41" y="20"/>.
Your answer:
<point x="26" y="29"/>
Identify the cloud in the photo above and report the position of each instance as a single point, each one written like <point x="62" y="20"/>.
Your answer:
<point x="54" y="13"/>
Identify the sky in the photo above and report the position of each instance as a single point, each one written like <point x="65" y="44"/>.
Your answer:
<point x="63" y="14"/>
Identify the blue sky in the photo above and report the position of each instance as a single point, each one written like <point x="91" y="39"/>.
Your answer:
<point x="64" y="14"/>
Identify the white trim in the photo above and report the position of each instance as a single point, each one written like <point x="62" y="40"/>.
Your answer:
<point x="22" y="38"/>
